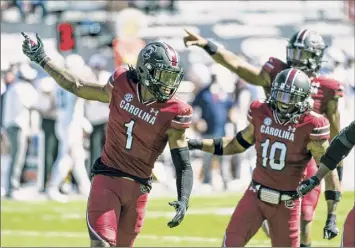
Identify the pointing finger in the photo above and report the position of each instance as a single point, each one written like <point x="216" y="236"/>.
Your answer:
<point x="188" y="31"/>
<point x="25" y="35"/>
<point x="39" y="40"/>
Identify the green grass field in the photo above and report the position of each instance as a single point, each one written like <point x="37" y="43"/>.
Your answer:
<point x="52" y="224"/>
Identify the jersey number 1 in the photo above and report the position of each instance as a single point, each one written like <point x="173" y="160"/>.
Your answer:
<point x="129" y="134"/>
<point x="269" y="156"/>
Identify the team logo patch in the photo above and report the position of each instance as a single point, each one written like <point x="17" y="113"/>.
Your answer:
<point x="128" y="97"/>
<point x="267" y="121"/>
<point x="291" y="129"/>
<point x="154" y="111"/>
<point x="149" y="51"/>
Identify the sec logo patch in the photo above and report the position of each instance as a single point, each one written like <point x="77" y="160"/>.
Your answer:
<point x="128" y="97"/>
<point x="267" y="121"/>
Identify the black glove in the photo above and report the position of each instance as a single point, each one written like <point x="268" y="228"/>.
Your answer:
<point x="195" y="144"/>
<point x="180" y="208"/>
<point x="34" y="51"/>
<point x="330" y="230"/>
<point x="306" y="186"/>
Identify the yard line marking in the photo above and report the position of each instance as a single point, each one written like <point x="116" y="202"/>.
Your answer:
<point x="176" y="239"/>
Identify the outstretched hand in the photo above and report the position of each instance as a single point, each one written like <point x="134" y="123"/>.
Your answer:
<point x="193" y="39"/>
<point x="33" y="50"/>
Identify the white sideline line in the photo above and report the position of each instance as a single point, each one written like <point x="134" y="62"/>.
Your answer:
<point x="176" y="239"/>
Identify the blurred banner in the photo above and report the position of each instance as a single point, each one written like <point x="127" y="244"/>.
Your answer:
<point x="127" y="43"/>
<point x="255" y="29"/>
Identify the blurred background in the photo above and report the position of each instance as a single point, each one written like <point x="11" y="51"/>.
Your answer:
<point x="92" y="38"/>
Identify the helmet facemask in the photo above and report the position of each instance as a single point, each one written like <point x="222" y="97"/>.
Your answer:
<point x="307" y="60"/>
<point x="163" y="81"/>
<point x="289" y="104"/>
<point x="305" y="51"/>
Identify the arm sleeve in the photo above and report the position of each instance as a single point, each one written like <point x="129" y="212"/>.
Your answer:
<point x="184" y="173"/>
<point x="336" y="90"/>
<point x="113" y="81"/>
<point x="273" y="66"/>
<point x="183" y="119"/>
<point x="321" y="129"/>
<point x="340" y="147"/>
<point x="252" y="111"/>
<point x="269" y="66"/>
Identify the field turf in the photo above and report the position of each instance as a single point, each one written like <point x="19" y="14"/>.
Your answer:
<point x="45" y="223"/>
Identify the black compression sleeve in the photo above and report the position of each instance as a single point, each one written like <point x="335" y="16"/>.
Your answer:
<point x="184" y="173"/>
<point x="340" y="147"/>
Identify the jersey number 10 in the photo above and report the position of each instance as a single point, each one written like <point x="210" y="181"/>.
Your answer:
<point x="129" y="134"/>
<point x="269" y="155"/>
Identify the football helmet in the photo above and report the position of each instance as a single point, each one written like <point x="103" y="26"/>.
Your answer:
<point x="159" y="70"/>
<point x="290" y="94"/>
<point x="305" y="51"/>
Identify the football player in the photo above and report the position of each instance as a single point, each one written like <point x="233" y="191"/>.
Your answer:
<point x="304" y="51"/>
<point x="338" y="149"/>
<point x="286" y="135"/>
<point x="144" y="116"/>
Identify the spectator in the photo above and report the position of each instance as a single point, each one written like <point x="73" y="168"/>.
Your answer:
<point x="214" y="105"/>
<point x="97" y="112"/>
<point x="27" y="7"/>
<point x="39" y="4"/>
<point x="46" y="88"/>
<point x="21" y="97"/>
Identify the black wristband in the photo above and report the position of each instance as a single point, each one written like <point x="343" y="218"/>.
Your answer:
<point x="218" y="146"/>
<point x="332" y="195"/>
<point x="210" y="48"/>
<point x="316" y="180"/>
<point x="44" y="61"/>
<point x="195" y="144"/>
<point x="340" y="172"/>
<point x="242" y="141"/>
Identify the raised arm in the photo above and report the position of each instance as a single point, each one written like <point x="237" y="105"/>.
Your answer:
<point x="238" y="65"/>
<point x="226" y="145"/>
<point x="76" y="85"/>
<point x="81" y="88"/>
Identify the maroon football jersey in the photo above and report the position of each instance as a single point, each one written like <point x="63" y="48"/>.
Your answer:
<point x="324" y="88"/>
<point x="282" y="153"/>
<point x="136" y="130"/>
